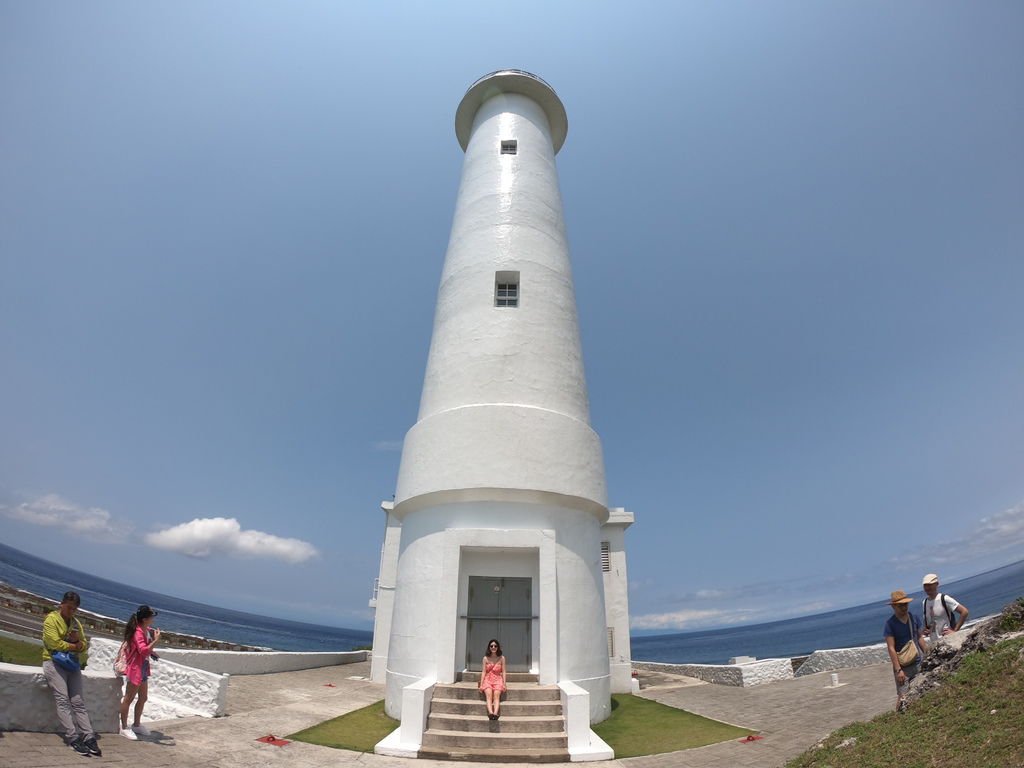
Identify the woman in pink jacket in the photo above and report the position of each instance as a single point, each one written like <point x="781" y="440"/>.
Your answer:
<point x="138" y="649"/>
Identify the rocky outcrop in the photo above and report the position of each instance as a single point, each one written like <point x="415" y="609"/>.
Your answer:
<point x="948" y="654"/>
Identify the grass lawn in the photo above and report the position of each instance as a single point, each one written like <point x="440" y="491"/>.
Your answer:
<point x="359" y="730"/>
<point x="973" y="720"/>
<point x="21" y="652"/>
<point x="642" y="727"/>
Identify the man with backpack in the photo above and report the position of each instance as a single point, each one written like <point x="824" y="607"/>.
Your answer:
<point x="942" y="614"/>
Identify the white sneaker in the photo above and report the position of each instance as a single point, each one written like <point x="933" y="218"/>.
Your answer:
<point x="142" y="730"/>
<point x="128" y="733"/>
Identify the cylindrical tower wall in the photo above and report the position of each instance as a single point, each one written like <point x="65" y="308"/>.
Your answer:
<point x="504" y="402"/>
<point x="508" y="217"/>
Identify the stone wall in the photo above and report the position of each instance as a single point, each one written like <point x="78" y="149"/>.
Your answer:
<point x="843" y="658"/>
<point x="26" y="703"/>
<point x="741" y="675"/>
<point x="175" y="690"/>
<point x="258" y="663"/>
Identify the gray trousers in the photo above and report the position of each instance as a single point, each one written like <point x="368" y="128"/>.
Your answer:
<point x="67" y="693"/>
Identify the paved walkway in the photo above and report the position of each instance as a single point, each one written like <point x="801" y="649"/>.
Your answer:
<point x="791" y="715"/>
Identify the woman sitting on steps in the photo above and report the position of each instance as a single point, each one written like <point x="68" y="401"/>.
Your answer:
<point x="492" y="678"/>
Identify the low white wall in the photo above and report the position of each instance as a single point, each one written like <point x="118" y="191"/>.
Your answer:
<point x="258" y="662"/>
<point x="576" y="711"/>
<point x="223" y="662"/>
<point x="406" y="739"/>
<point x="740" y="675"/>
<point x="26" y="703"/>
<point x="182" y="683"/>
<point x="621" y="676"/>
<point x="175" y="690"/>
<point x="583" y="744"/>
<point x="832" y="659"/>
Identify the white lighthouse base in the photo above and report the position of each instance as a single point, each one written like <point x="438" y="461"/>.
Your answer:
<point x="552" y="554"/>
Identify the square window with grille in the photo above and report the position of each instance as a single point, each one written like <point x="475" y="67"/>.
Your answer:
<point x="506" y="289"/>
<point x="509" y="147"/>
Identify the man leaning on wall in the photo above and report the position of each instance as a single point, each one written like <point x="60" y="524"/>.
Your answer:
<point x="63" y="634"/>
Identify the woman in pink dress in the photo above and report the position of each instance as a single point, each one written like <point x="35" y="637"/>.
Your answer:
<point x="492" y="678"/>
<point x="138" y="649"/>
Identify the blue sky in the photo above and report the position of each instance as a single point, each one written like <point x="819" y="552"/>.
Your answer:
<point x="797" y="240"/>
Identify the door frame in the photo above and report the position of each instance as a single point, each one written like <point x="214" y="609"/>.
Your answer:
<point x="532" y="548"/>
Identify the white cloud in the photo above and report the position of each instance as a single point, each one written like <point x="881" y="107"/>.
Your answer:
<point x="707" y="618"/>
<point x="53" y="511"/>
<point x="716" y="594"/>
<point x="207" y="536"/>
<point x="998" y="534"/>
<point x="685" y="619"/>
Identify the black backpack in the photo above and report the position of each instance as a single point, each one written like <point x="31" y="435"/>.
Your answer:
<point x="945" y="607"/>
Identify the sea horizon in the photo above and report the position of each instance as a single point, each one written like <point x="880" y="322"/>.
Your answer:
<point x="984" y="593"/>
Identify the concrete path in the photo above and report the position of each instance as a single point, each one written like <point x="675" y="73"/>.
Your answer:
<point x="791" y="715"/>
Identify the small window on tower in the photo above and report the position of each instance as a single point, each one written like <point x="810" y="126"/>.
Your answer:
<point x="506" y="289"/>
<point x="509" y="147"/>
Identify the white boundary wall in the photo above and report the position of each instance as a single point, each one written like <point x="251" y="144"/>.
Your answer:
<point x="843" y="658"/>
<point x="741" y="675"/>
<point x="219" y="662"/>
<point x="182" y="683"/>
<point x="258" y="662"/>
<point x="26" y="703"/>
<point x="175" y="690"/>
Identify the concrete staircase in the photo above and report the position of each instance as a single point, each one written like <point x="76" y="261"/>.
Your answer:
<point x="531" y="728"/>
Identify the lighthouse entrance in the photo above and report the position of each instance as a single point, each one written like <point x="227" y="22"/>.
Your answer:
<point x="500" y="607"/>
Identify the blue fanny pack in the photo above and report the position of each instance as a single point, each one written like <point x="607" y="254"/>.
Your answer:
<point x="67" y="660"/>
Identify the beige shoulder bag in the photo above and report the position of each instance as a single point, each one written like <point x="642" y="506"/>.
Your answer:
<point x="908" y="653"/>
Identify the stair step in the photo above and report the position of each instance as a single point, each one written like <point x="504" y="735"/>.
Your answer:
<point x="515" y="692"/>
<point x="512" y="708"/>
<point x="461" y="739"/>
<point x="511" y="677"/>
<point x="507" y="724"/>
<point x="521" y="755"/>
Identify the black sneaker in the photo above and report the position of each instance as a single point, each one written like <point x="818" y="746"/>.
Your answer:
<point x="79" y="746"/>
<point x="93" y="747"/>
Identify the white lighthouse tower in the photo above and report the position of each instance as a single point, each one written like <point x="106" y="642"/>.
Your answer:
<point x="500" y="525"/>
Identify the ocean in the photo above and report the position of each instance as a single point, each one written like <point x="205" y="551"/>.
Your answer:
<point x="984" y="594"/>
<point x="110" y="598"/>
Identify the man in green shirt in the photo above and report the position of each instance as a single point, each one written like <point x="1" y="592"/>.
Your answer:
<point x="63" y="632"/>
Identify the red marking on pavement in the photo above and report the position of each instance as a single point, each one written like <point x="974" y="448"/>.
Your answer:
<point x="330" y="685"/>
<point x="750" y="738"/>
<point x="274" y="741"/>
